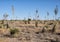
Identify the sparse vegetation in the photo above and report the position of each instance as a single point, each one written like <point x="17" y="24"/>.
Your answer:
<point x="28" y="30"/>
<point x="13" y="31"/>
<point x="28" y="33"/>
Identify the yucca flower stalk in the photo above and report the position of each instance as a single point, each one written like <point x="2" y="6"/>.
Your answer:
<point x="47" y="15"/>
<point x="56" y="11"/>
<point x="36" y="22"/>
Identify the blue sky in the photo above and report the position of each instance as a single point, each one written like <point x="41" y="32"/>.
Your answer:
<point x="26" y="8"/>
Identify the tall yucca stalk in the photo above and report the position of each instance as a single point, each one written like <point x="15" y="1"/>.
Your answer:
<point x="5" y="19"/>
<point x="12" y="11"/>
<point x="56" y="11"/>
<point x="47" y="15"/>
<point x="36" y="22"/>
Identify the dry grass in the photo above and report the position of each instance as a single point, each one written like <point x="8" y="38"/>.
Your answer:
<point x="25" y="29"/>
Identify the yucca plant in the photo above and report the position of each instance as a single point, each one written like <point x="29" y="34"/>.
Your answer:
<point x="29" y="20"/>
<point x="36" y="19"/>
<point x="5" y="16"/>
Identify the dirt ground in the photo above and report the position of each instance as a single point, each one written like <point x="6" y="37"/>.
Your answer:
<point x="30" y="33"/>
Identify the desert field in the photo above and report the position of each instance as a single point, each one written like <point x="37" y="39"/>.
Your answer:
<point x="29" y="20"/>
<point x="19" y="31"/>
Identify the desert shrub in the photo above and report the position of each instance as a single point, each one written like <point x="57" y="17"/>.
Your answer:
<point x="29" y="20"/>
<point x="13" y="31"/>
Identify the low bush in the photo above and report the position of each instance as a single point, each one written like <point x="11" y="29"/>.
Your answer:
<point x="13" y="31"/>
